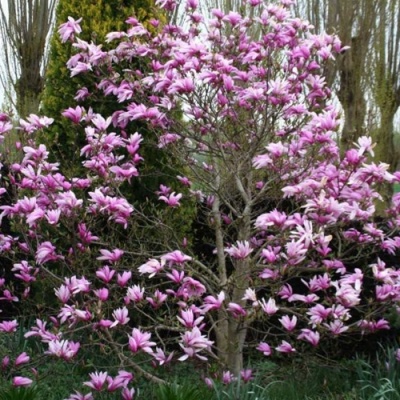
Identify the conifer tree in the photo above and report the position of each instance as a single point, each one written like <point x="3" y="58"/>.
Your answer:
<point x="98" y="18"/>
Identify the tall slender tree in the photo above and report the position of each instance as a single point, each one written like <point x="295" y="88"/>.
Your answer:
<point x="386" y="74"/>
<point x="24" y="29"/>
<point x="354" y="22"/>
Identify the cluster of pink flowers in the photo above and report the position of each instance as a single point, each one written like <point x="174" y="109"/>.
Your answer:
<point x="290" y="217"/>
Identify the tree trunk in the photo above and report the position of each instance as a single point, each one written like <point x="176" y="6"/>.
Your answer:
<point x="351" y="95"/>
<point x="384" y="152"/>
<point x="231" y="332"/>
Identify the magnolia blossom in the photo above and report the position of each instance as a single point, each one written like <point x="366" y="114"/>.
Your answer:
<point x="285" y="347"/>
<point x="63" y="348"/>
<point x="23" y="358"/>
<point x="288" y="323"/>
<point x="172" y="200"/>
<point x="152" y="267"/>
<point x="21" y="381"/>
<point x="188" y="320"/>
<point x="68" y="29"/>
<point x="193" y="342"/>
<point x="134" y="293"/>
<point x="140" y="341"/>
<point x="175" y="257"/>
<point x="120" y="316"/>
<point x="241" y="251"/>
<point x="46" y="252"/>
<point x="310" y="336"/>
<point x="111" y="256"/>
<point x="97" y="380"/>
<point x="270" y="307"/>
<point x="161" y="357"/>
<point x="265" y="348"/>
<point x="80" y="396"/>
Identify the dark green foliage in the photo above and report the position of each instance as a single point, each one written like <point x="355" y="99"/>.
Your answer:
<point x="180" y="391"/>
<point x="98" y="18"/>
<point x="20" y="393"/>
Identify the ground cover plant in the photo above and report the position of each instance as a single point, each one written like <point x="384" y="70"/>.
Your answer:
<point x="287" y="252"/>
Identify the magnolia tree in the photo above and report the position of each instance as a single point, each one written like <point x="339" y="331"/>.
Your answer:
<point x="294" y="246"/>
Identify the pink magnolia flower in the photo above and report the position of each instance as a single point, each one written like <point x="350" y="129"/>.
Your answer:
<point x="46" y="252"/>
<point x="5" y="362"/>
<point x="80" y="396"/>
<point x="194" y="342"/>
<point x="336" y="327"/>
<point x="227" y="377"/>
<point x="63" y="349"/>
<point x="157" y="299"/>
<point x="241" y="251"/>
<point x="140" y="341"/>
<point x="23" y="358"/>
<point x="68" y="29"/>
<point x="8" y="296"/>
<point x="161" y="357"/>
<point x="111" y="256"/>
<point x="212" y="303"/>
<point x="152" y="267"/>
<point x="21" y="381"/>
<point x="24" y="271"/>
<point x="270" y="307"/>
<point x="236" y="310"/>
<point x="77" y="285"/>
<point x="318" y="314"/>
<point x="85" y="235"/>
<point x="74" y="114"/>
<point x="164" y="190"/>
<point x="172" y="200"/>
<point x="134" y="293"/>
<point x="191" y="288"/>
<point x="287" y="323"/>
<point x="264" y="348"/>
<point x="175" y="257"/>
<point x="184" y="180"/>
<point x="285" y="347"/>
<point x="310" y="336"/>
<point x="176" y="276"/>
<point x="79" y="68"/>
<point x="63" y="293"/>
<point x="97" y="380"/>
<point x="246" y="375"/>
<point x="187" y="319"/>
<point x="115" y="383"/>
<point x="128" y="394"/>
<point x="209" y="382"/>
<point x="122" y="279"/>
<point x="105" y="273"/>
<point x="273" y="218"/>
<point x="102" y="294"/>
<point x="53" y="216"/>
<point x="120" y="316"/>
<point x="250" y="294"/>
<point x="82" y="94"/>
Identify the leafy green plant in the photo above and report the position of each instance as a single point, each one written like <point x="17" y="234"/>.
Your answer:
<point x="176" y="391"/>
<point x="239" y="390"/>
<point x="379" y="378"/>
<point x="20" y="393"/>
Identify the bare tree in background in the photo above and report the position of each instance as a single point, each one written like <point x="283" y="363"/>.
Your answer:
<point x="386" y="74"/>
<point x="24" y="28"/>
<point x="355" y="23"/>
